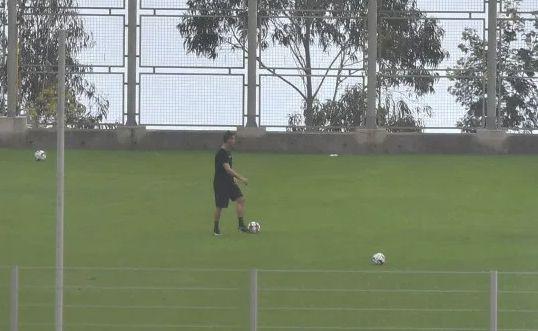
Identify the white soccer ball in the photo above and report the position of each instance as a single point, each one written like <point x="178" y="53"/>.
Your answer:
<point x="378" y="259"/>
<point x="40" y="155"/>
<point x="254" y="227"/>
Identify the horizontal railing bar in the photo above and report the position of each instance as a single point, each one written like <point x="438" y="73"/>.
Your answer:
<point x="172" y="307"/>
<point x="141" y="326"/>
<point x="136" y="269"/>
<point x="368" y="290"/>
<point x="136" y="288"/>
<point x="371" y="309"/>
<point x="411" y="272"/>
<point x="369" y="328"/>
<point x="267" y="270"/>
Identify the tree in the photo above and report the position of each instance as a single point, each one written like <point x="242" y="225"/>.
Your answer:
<point x="349" y="112"/>
<point x="409" y="45"/>
<point x="42" y="110"/>
<point x="39" y="23"/>
<point x="517" y="64"/>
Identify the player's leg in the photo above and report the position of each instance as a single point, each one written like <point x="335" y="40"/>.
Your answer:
<point x="240" y="209"/>
<point x="237" y="196"/>
<point x="221" y="202"/>
<point x="216" y="221"/>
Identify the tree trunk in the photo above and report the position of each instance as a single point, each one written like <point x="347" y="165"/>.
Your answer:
<point x="339" y="76"/>
<point x="309" y="102"/>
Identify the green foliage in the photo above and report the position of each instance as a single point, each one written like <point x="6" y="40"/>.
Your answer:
<point x="336" y="115"/>
<point x="517" y="67"/>
<point x="43" y="110"/>
<point x="349" y="112"/>
<point x="409" y="44"/>
<point x="39" y="23"/>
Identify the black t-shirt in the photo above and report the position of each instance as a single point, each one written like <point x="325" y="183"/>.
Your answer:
<point x="221" y="176"/>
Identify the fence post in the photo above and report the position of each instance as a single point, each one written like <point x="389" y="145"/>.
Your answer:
<point x="254" y="300"/>
<point x="12" y="67"/>
<point x="494" y="288"/>
<point x="252" y="37"/>
<point x="371" y="116"/>
<point x="60" y="125"/>
<point x="14" y="319"/>
<point x="491" y="119"/>
<point x="131" y="62"/>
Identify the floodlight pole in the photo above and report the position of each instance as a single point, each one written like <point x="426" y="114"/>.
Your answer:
<point x="371" y="116"/>
<point x="60" y="124"/>
<point x="131" y="62"/>
<point x="491" y="119"/>
<point x="252" y="37"/>
<point x="12" y="67"/>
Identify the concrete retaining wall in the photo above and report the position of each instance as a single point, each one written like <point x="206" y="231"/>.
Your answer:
<point x="361" y="142"/>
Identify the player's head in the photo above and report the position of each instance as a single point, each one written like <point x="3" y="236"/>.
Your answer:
<point x="229" y="138"/>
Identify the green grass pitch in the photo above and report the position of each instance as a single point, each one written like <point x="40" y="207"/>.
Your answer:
<point x="153" y="210"/>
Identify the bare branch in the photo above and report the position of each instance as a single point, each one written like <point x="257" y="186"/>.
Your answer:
<point x="327" y="72"/>
<point x="293" y="45"/>
<point x="273" y="71"/>
<point x="338" y="77"/>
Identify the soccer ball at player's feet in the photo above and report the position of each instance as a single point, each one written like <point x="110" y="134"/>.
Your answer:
<point x="378" y="259"/>
<point x="40" y="155"/>
<point x="254" y="227"/>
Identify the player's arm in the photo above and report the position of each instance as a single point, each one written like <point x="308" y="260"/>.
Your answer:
<point x="234" y="174"/>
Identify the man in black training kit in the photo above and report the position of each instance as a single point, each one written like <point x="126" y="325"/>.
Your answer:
<point x="225" y="184"/>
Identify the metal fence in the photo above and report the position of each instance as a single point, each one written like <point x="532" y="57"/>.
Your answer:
<point x="311" y="63"/>
<point x="183" y="89"/>
<point x="3" y="58"/>
<point x="96" y="61"/>
<point x="240" y="299"/>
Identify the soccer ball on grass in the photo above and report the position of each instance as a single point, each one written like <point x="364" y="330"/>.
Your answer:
<point x="378" y="259"/>
<point x="40" y="155"/>
<point x="254" y="227"/>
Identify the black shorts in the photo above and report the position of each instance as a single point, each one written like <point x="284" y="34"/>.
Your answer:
<point x="226" y="192"/>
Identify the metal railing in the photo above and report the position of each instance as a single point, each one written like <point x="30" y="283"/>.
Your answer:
<point x="101" y="298"/>
<point x="96" y="67"/>
<point x="166" y="81"/>
<point x="3" y="59"/>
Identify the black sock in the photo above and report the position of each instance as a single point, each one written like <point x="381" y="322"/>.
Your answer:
<point x="216" y="227"/>
<point x="241" y="223"/>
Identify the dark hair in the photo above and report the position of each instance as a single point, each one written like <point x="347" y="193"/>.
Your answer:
<point x="228" y="135"/>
